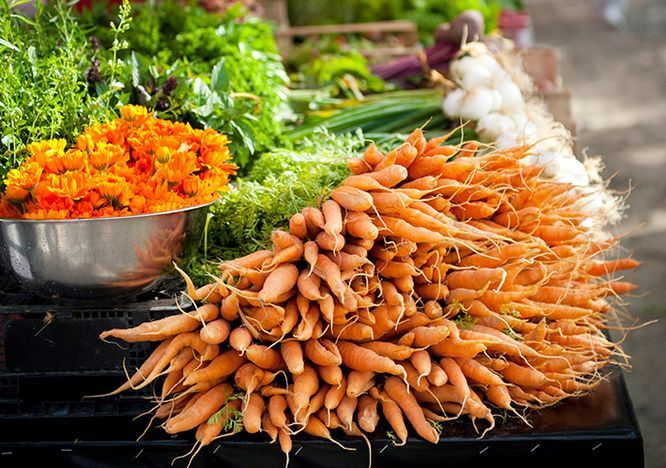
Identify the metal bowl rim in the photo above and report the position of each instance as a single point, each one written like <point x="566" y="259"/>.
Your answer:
<point x="107" y="218"/>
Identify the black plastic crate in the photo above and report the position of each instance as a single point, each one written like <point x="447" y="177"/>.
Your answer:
<point x="51" y="356"/>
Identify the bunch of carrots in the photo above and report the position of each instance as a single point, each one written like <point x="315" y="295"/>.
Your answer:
<point x="437" y="281"/>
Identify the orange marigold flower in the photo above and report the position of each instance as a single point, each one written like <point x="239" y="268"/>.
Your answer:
<point x="16" y="194"/>
<point x="131" y="165"/>
<point x="134" y="113"/>
<point x="72" y="185"/>
<point x="43" y="151"/>
<point x="191" y="186"/>
<point x="47" y="214"/>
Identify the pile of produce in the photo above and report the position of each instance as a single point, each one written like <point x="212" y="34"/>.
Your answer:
<point x="438" y="281"/>
<point x="132" y="165"/>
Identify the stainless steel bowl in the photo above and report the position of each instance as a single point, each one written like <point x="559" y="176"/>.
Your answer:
<point x="99" y="260"/>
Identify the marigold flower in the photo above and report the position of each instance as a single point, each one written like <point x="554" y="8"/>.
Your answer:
<point x="43" y="151"/>
<point x="72" y="185"/>
<point x="16" y="194"/>
<point x="131" y="165"/>
<point x="47" y="214"/>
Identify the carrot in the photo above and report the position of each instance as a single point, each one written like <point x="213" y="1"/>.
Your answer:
<point x="397" y="391"/>
<point x="322" y="352"/>
<point x="368" y="417"/>
<point x="280" y="281"/>
<point x="223" y="365"/>
<point x="456" y="377"/>
<point x="351" y="198"/>
<point x="397" y="227"/>
<point x="432" y="309"/>
<point x="412" y="377"/>
<point x="427" y="165"/>
<point x="142" y="372"/>
<point x="330" y="273"/>
<point x="306" y="328"/>
<point x="359" y="382"/>
<point x="611" y="266"/>
<point x="362" y="359"/>
<point x="330" y="242"/>
<point x="363" y="182"/>
<point x="229" y="308"/>
<point x="390" y="350"/>
<point x="316" y="428"/>
<point x="422" y="363"/>
<point x="437" y="376"/>
<point x="360" y="225"/>
<point x="264" y="357"/>
<point x="309" y="286"/>
<point x="297" y="226"/>
<point x="292" y="354"/>
<point x="335" y="394"/>
<point x="425" y="336"/>
<point x="393" y="415"/>
<point x="621" y="287"/>
<point x="524" y="376"/>
<point x="277" y="405"/>
<point x="390" y="176"/>
<point x="159" y="330"/>
<point x="357" y="166"/>
<point x="240" y="339"/>
<point x="252" y="261"/>
<point x="332" y="375"/>
<point x="254" y="409"/>
<point x="314" y="220"/>
<point x="215" y="332"/>
<point x="285" y="443"/>
<point x="345" y="410"/>
<point x="372" y="155"/>
<point x="478" y="372"/>
<point x="204" y="407"/>
<point x="305" y="385"/>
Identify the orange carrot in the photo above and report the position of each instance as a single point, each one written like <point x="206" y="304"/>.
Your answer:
<point x="224" y="365"/>
<point x="264" y="357"/>
<point x="297" y="226"/>
<point x="437" y="376"/>
<point x="215" y="332"/>
<point x="207" y="405"/>
<point x="351" y="198"/>
<point x="305" y="385"/>
<point x="362" y="359"/>
<point x="368" y="417"/>
<point x="359" y="382"/>
<point x="159" y="330"/>
<point x="254" y="409"/>
<point x="322" y="352"/>
<point x="280" y="281"/>
<point x="292" y="354"/>
<point x="397" y="391"/>
<point x="422" y="363"/>
<point x="332" y="375"/>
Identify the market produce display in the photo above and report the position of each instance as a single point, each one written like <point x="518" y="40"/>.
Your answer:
<point x="437" y="281"/>
<point x="132" y="165"/>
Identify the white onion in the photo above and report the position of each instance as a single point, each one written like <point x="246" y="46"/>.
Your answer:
<point x="461" y="67"/>
<point x="490" y="127"/>
<point x="512" y="98"/>
<point x="477" y="76"/>
<point x="477" y="103"/>
<point x="452" y="102"/>
<point x="572" y="171"/>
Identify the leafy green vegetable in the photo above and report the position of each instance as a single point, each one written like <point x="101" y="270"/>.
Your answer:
<point x="43" y="93"/>
<point x="221" y="72"/>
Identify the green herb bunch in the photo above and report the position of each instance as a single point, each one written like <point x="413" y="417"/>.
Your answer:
<point x="43" y="90"/>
